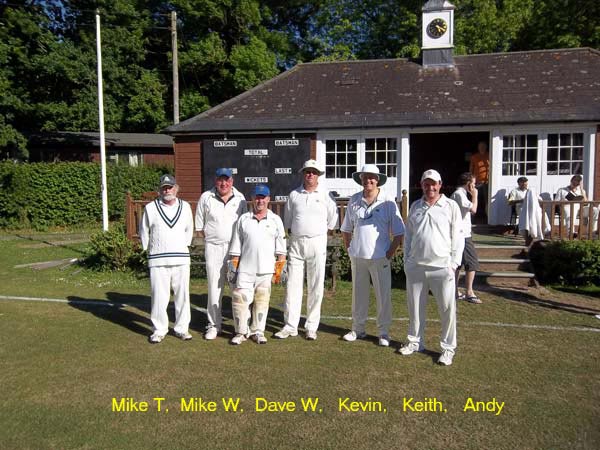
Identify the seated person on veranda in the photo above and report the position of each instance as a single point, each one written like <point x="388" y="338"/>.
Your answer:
<point x="516" y="196"/>
<point x="575" y="193"/>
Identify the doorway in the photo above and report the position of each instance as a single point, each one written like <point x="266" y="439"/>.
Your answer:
<point x="448" y="153"/>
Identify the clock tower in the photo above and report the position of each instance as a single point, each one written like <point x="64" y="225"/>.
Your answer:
<point x="438" y="33"/>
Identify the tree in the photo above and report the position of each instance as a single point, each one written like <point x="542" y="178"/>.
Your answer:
<point x="489" y="26"/>
<point x="48" y="50"/>
<point x="561" y="24"/>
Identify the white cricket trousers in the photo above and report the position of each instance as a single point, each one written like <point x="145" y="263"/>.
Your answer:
<point x="162" y="278"/>
<point x="312" y="253"/>
<point x="419" y="280"/>
<point x="215" y="256"/>
<point x="378" y="271"/>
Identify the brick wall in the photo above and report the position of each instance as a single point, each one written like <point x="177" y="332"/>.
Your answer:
<point x="188" y="168"/>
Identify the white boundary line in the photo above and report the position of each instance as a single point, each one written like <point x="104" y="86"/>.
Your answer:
<point x="399" y="319"/>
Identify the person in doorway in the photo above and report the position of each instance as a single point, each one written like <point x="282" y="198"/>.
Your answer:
<point x="218" y="209"/>
<point x="466" y="188"/>
<point x="166" y="232"/>
<point x="480" y="167"/>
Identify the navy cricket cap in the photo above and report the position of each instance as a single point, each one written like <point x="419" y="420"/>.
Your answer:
<point x="261" y="189"/>
<point x="224" y="172"/>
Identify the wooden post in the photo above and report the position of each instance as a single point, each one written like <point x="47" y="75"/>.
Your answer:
<point x="404" y="205"/>
<point x="129" y="216"/>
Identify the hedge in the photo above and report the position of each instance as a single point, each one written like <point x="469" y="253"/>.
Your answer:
<point x="574" y="263"/>
<point x="40" y="195"/>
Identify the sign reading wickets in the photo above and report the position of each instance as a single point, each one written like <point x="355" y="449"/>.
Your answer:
<point x="272" y="161"/>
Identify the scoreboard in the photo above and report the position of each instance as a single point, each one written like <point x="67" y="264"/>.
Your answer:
<point x="273" y="161"/>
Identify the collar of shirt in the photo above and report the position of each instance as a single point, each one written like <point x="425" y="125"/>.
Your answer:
<point x="442" y="201"/>
<point x="374" y="202"/>
<point x="304" y="191"/>
<point x="234" y="193"/>
<point x="267" y="216"/>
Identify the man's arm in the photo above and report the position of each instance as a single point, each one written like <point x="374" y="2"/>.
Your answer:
<point x="145" y="230"/>
<point x="457" y="237"/>
<point x="287" y="213"/>
<point x="235" y="246"/>
<point x="473" y="192"/>
<point x="347" y="226"/>
<point x="189" y="228"/>
<point x="472" y="165"/>
<point x="347" y="238"/>
<point x="199" y="220"/>
<point x="332" y="213"/>
<point x="397" y="229"/>
<point x="280" y="244"/>
<point x="393" y="246"/>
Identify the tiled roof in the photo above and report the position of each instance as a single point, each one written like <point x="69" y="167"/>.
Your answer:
<point x="111" y="139"/>
<point x="520" y="87"/>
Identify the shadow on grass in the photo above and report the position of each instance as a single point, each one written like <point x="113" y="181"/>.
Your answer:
<point x="526" y="297"/>
<point x="119" y="309"/>
<point x="116" y="308"/>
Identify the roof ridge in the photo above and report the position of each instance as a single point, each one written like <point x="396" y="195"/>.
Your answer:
<point x="521" y="52"/>
<point x="353" y="61"/>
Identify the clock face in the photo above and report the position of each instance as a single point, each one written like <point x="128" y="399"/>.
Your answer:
<point x="437" y="28"/>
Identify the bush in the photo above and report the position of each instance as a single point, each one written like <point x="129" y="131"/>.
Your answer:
<point x="41" y="195"/>
<point x="574" y="263"/>
<point x="111" y="250"/>
<point x="339" y="261"/>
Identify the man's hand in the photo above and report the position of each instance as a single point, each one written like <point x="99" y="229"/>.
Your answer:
<point x="472" y="190"/>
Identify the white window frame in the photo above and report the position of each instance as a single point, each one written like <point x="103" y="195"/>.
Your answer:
<point x="559" y="161"/>
<point x="520" y="167"/>
<point x="346" y="186"/>
<point x="387" y="167"/>
<point x="349" y="169"/>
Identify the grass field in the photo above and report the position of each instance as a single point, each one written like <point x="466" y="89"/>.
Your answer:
<point x="534" y="352"/>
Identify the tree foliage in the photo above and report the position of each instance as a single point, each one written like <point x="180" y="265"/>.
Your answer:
<point x="48" y="50"/>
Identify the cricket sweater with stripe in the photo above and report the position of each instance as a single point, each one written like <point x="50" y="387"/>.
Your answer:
<point x="166" y="231"/>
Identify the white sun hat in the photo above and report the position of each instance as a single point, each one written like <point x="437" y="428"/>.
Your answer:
<point x="312" y="164"/>
<point x="370" y="168"/>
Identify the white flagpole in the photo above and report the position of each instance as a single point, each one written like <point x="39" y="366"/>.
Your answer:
<point x="101" y="120"/>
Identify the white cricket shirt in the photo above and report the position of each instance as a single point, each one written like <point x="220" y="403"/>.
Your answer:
<point x="257" y="241"/>
<point x="310" y="214"/>
<point x="434" y="234"/>
<point x="372" y="226"/>
<point x="216" y="218"/>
